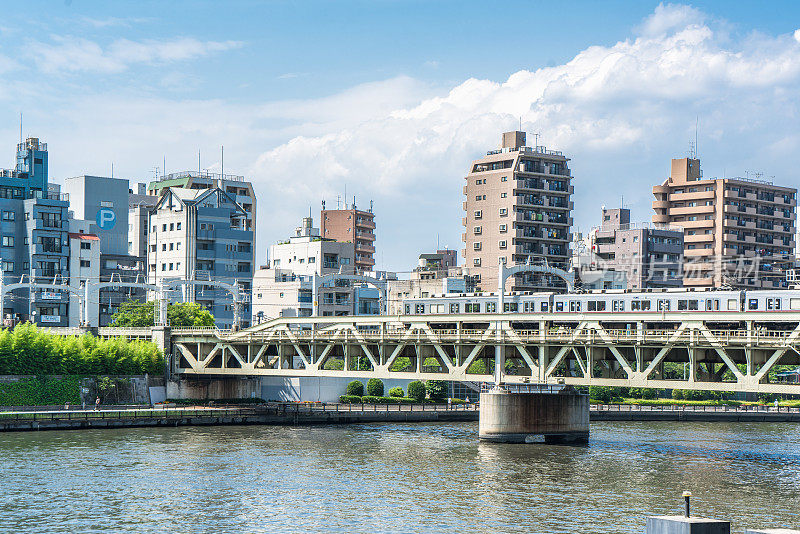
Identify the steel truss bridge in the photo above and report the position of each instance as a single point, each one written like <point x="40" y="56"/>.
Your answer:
<point x="728" y="351"/>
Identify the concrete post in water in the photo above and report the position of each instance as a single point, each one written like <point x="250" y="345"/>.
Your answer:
<point x="546" y="416"/>
<point x="685" y="524"/>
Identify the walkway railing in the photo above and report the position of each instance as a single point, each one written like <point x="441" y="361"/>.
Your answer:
<point x="691" y="408"/>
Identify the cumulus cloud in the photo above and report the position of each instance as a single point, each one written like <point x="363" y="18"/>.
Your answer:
<point x="75" y="54"/>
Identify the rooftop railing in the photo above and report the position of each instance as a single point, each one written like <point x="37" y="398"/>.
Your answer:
<point x="201" y="174"/>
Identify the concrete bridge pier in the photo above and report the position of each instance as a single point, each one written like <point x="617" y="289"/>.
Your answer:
<point x="546" y="416"/>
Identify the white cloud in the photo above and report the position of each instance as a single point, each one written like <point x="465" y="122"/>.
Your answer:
<point x="75" y="54"/>
<point x="620" y="112"/>
<point x="797" y="35"/>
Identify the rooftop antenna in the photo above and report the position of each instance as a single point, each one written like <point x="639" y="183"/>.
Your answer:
<point x="345" y="196"/>
<point x="164" y="168"/>
<point x="20" y="127"/>
<point x="536" y="139"/>
<point x="198" y="162"/>
<point x="696" y="126"/>
<point x="520" y="123"/>
<point x="222" y="160"/>
<point x="112" y="170"/>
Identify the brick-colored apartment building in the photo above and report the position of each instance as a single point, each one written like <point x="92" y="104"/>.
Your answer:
<point x="351" y="225"/>
<point x="518" y="208"/>
<point x="737" y="232"/>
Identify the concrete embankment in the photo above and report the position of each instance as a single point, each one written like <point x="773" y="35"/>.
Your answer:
<point x="695" y="413"/>
<point x="270" y="415"/>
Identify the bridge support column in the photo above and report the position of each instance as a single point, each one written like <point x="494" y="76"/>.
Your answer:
<point x="560" y="416"/>
<point x="161" y="337"/>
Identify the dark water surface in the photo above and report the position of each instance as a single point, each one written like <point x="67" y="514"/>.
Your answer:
<point x="394" y="478"/>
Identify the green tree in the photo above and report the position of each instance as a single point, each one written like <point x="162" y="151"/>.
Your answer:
<point x="396" y="391"/>
<point x="416" y="390"/>
<point x="133" y="313"/>
<point x="437" y="389"/>
<point x="375" y="387"/>
<point x="355" y="388"/>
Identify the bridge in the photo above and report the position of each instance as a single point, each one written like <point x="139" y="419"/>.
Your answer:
<point x="725" y="351"/>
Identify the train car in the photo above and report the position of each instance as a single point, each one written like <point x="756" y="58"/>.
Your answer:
<point x="515" y="302"/>
<point x="771" y="300"/>
<point x="653" y="301"/>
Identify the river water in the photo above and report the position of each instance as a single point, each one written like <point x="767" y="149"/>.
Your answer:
<point x="394" y="478"/>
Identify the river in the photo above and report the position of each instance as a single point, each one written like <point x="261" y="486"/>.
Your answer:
<point x="394" y="478"/>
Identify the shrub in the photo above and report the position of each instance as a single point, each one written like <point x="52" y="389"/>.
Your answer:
<point x="350" y="399"/>
<point x="601" y="394"/>
<point x="396" y="391"/>
<point x="372" y="399"/>
<point x="437" y="389"/>
<point x="355" y="388"/>
<point x="375" y="387"/>
<point x="416" y="390"/>
<point x="648" y="393"/>
<point x="678" y="394"/>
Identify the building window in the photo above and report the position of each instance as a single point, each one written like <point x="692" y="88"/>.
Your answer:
<point x="163" y="266"/>
<point x="154" y="227"/>
<point x="502" y="244"/>
<point x="503" y="212"/>
<point x="8" y="266"/>
<point x="106" y="204"/>
<point x="8" y="216"/>
<point x="86" y="263"/>
<point x="153" y="248"/>
<point x="86" y="246"/>
<point x="164" y="227"/>
<point x="8" y="241"/>
<point x="503" y="195"/>
<point x="177" y="226"/>
<point x="164" y="247"/>
<point x="477" y="230"/>
<point x="178" y="245"/>
<point x="504" y="179"/>
<point x="170" y="266"/>
<point x="478" y="214"/>
<point x="503" y="228"/>
<point x="476" y="262"/>
<point x="476" y="246"/>
<point x="178" y="266"/>
<point x="171" y="227"/>
<point x="172" y="246"/>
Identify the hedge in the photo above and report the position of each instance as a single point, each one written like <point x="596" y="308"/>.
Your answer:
<point x="396" y="391"/>
<point x="27" y="350"/>
<point x="41" y="391"/>
<point x="367" y="399"/>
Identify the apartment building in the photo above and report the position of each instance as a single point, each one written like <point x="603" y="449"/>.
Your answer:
<point x="284" y="287"/>
<point x="518" y="210"/>
<point x="650" y="255"/>
<point x="436" y="274"/>
<point x="84" y="267"/>
<point x="202" y="234"/>
<point x="35" y="244"/>
<point x="738" y="232"/>
<point x="352" y="225"/>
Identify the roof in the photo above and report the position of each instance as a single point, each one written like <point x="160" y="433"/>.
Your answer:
<point x="85" y="237"/>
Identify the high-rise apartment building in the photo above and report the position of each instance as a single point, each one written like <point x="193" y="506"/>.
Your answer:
<point x="518" y="210"/>
<point x="737" y="232"/>
<point x="34" y="232"/>
<point x="650" y="255"/>
<point x="202" y="234"/>
<point x="352" y="225"/>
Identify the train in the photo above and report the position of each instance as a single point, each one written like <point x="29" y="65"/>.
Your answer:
<point x="610" y="301"/>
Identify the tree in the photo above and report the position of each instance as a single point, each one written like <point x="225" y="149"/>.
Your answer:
<point x="437" y="389"/>
<point x="134" y="313"/>
<point x="396" y="391"/>
<point x="355" y="388"/>
<point x="416" y="390"/>
<point x="375" y="387"/>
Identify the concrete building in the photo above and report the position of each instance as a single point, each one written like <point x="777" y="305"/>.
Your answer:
<point x="202" y="234"/>
<point x="284" y="287"/>
<point x="35" y="244"/>
<point x="104" y="202"/>
<point x="650" y="255"/>
<point x="84" y="267"/>
<point x="139" y="206"/>
<point x="436" y="274"/>
<point x="518" y="210"/>
<point x="234" y="185"/>
<point x="737" y="232"/>
<point x="352" y="225"/>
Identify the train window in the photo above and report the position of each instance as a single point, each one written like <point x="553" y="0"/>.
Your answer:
<point x="777" y="304"/>
<point x="663" y="305"/>
<point x="408" y="309"/>
<point x="794" y="304"/>
<point x="454" y="307"/>
<point x="591" y="305"/>
<point x="544" y="306"/>
<point x="491" y="307"/>
<point x="472" y="307"/>
<point x="439" y="308"/>
<point x="601" y="305"/>
<point x="645" y="305"/>
<point x="559" y="306"/>
<point x="510" y="307"/>
<point x="419" y="308"/>
<point x="683" y="305"/>
<point x="693" y="305"/>
<point x="635" y="305"/>
<point x="752" y="304"/>
<point x="712" y="304"/>
<point x="572" y="305"/>
<point x="733" y="304"/>
<point x="773" y="304"/>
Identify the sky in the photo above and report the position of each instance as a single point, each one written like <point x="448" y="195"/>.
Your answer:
<point x="390" y="101"/>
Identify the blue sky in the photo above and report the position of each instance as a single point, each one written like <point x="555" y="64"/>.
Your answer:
<point x="392" y="99"/>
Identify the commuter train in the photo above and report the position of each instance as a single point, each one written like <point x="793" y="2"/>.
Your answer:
<point x="610" y="301"/>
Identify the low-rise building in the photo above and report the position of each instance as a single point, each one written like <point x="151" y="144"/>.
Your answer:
<point x="352" y="225"/>
<point x="436" y="274"/>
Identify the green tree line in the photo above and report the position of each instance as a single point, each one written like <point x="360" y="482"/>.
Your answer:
<point x="133" y="313"/>
<point x="26" y="350"/>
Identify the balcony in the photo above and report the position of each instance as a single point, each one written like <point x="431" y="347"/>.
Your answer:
<point x="366" y="223"/>
<point x="363" y="247"/>
<point x="660" y="204"/>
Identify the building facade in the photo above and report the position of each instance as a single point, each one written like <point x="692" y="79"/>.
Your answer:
<point x="352" y="225"/>
<point x="202" y="234"/>
<point x="737" y="232"/>
<point x="285" y="286"/>
<point x="436" y="274"/>
<point x="651" y="256"/>
<point x="518" y="210"/>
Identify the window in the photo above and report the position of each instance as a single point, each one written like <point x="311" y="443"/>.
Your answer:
<point x="86" y="263"/>
<point x="504" y="179"/>
<point x="559" y="306"/>
<point x="478" y="214"/>
<point x="476" y="246"/>
<point x="503" y="228"/>
<point x="752" y="304"/>
<point x="163" y="266"/>
<point x="477" y="230"/>
<point x="502" y="244"/>
<point x="312" y="260"/>
<point x="503" y="212"/>
<point x="170" y="266"/>
<point x="171" y="246"/>
<point x="154" y="227"/>
<point x="164" y="227"/>
<point x="163" y="247"/>
<point x="454" y="307"/>
<point x="8" y="266"/>
<point x="86" y="246"/>
<point x="178" y="245"/>
<point x="510" y="306"/>
<point x="683" y="305"/>
<point x="419" y="308"/>
<point x="472" y="307"/>
<point x="476" y="262"/>
<point x="503" y="195"/>
<point x="8" y="241"/>
<point x="491" y="307"/>
<point x="171" y="227"/>
<point x="106" y="204"/>
<point x="153" y="248"/>
<point x="663" y="305"/>
<point x="177" y="226"/>
<point x="8" y="216"/>
<point x="178" y="265"/>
